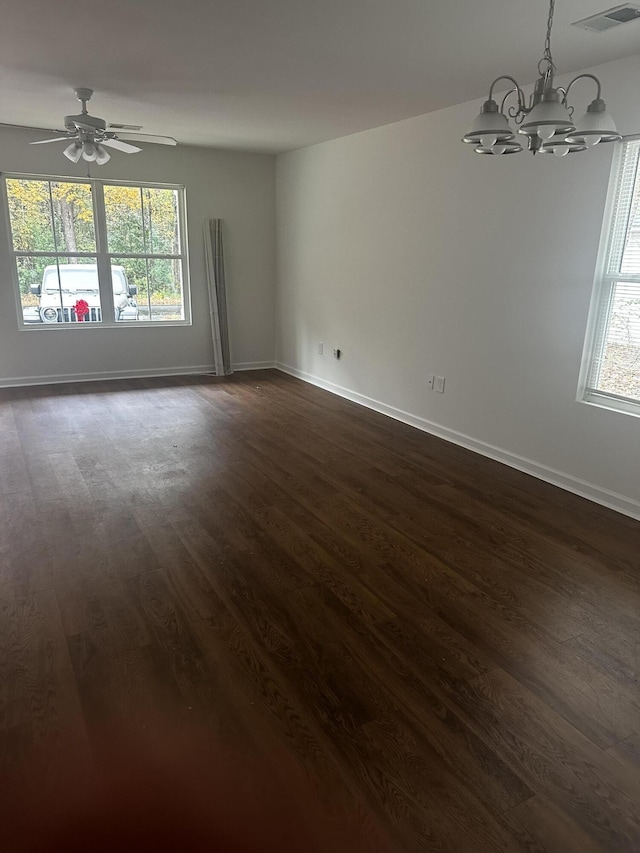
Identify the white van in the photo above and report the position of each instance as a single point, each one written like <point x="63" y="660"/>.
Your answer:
<point x="58" y="297"/>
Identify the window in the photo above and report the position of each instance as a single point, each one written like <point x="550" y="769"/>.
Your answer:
<point x="612" y="370"/>
<point x="98" y="253"/>
<point x="143" y="240"/>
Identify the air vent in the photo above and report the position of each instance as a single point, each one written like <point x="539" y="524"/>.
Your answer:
<point x="125" y="126"/>
<point x="611" y="18"/>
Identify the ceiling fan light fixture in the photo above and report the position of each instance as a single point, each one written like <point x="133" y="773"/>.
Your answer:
<point x="89" y="152"/>
<point x="545" y="118"/>
<point x="102" y="155"/>
<point x="73" y="152"/>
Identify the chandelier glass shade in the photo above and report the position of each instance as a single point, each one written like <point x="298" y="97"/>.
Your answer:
<point x="546" y="120"/>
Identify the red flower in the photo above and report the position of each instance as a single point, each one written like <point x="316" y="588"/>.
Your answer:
<point x="82" y="309"/>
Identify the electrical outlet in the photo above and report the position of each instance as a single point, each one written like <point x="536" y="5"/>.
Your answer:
<point x="320" y="348"/>
<point x="337" y="353"/>
<point x="431" y="381"/>
<point x="440" y="384"/>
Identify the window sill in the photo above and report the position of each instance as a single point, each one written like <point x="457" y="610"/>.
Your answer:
<point x="144" y="324"/>
<point x="612" y="404"/>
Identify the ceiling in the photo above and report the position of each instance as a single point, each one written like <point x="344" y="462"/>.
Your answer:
<point x="271" y="76"/>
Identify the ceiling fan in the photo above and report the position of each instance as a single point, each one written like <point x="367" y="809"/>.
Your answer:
<point x="89" y="135"/>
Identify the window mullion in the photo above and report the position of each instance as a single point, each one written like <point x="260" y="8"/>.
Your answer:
<point x="102" y="260"/>
<point x="621" y="279"/>
<point x="55" y="248"/>
<point x="145" y="246"/>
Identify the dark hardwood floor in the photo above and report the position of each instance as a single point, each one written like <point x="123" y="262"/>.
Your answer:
<point x="448" y="647"/>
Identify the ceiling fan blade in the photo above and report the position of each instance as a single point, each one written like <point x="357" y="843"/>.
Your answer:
<point x="28" y="127"/>
<point x="56" y="139"/>
<point x="148" y="137"/>
<point x="120" y="146"/>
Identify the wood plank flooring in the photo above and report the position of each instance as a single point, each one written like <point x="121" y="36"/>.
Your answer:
<point x="445" y="649"/>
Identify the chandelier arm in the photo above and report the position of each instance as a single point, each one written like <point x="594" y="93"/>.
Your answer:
<point x="564" y="91"/>
<point x="579" y="77"/>
<point x="513" y="111"/>
<point x="516" y="89"/>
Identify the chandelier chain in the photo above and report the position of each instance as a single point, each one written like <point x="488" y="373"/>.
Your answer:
<point x="546" y="65"/>
<point x="547" y="43"/>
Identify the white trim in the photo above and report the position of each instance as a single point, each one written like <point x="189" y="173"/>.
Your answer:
<point x="116" y="324"/>
<point x="611" y="402"/>
<point x="590" y="491"/>
<point x="54" y="379"/>
<point x="195" y="370"/>
<point x="254" y="365"/>
<point x="598" y="285"/>
<point x="79" y="179"/>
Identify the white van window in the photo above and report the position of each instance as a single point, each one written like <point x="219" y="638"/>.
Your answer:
<point x="81" y="279"/>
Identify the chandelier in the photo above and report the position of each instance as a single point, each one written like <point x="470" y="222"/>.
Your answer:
<point x="546" y="121"/>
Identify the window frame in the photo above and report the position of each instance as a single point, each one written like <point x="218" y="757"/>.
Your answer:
<point x="102" y="256"/>
<point x="602" y="295"/>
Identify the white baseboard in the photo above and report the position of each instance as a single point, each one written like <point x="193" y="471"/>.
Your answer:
<point x="55" y="379"/>
<point x="197" y="369"/>
<point x="597" y="494"/>
<point x="254" y="365"/>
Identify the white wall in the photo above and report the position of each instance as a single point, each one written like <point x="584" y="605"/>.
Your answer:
<point x="414" y="255"/>
<point x="238" y="187"/>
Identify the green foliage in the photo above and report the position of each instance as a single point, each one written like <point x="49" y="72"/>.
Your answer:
<point x="141" y="220"/>
<point x="30" y="270"/>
